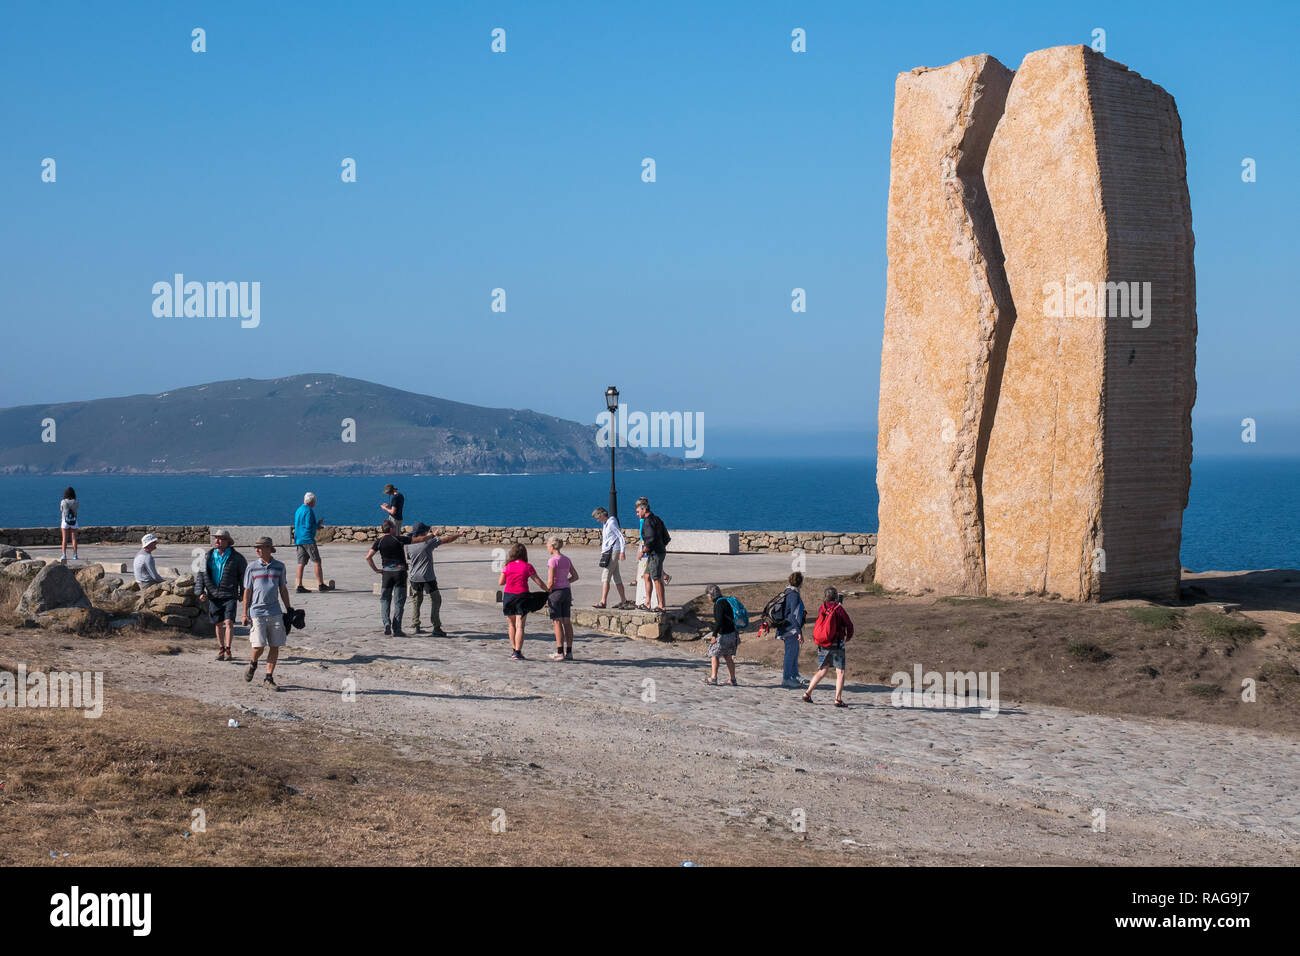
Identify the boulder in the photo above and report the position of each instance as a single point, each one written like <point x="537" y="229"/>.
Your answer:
<point x="948" y="314"/>
<point x="55" y="586"/>
<point x="25" y="570"/>
<point x="1088" y="463"/>
<point x="89" y="575"/>
<point x="75" y="620"/>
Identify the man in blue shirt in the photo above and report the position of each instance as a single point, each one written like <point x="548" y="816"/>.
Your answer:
<point x="305" y="527"/>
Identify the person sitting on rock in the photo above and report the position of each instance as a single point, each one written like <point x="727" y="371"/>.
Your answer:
<point x="219" y="584"/>
<point x="146" y="573"/>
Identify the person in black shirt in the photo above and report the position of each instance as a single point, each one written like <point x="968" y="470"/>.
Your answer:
<point x="725" y="637"/>
<point x="391" y="548"/>
<point x="395" y="508"/>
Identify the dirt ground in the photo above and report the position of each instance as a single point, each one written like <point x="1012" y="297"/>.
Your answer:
<point x="445" y="734"/>
<point x="1122" y="658"/>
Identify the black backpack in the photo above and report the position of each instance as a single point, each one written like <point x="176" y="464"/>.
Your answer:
<point x="774" y="611"/>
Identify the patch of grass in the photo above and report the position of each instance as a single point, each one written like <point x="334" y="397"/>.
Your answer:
<point x="979" y="645"/>
<point x="1087" y="651"/>
<point x="1204" y="690"/>
<point x="875" y="587"/>
<point x="972" y="601"/>
<point x="874" y="635"/>
<point x="1278" y="671"/>
<point x="1293" y="635"/>
<point x="1226" y="626"/>
<point x="1160" y="618"/>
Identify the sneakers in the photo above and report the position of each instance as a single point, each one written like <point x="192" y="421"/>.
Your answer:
<point x="269" y="681"/>
<point x="417" y="630"/>
<point x="301" y="590"/>
<point x="515" y="655"/>
<point x="387" y="630"/>
<point x="323" y="587"/>
<point x="398" y="632"/>
<point x="791" y="684"/>
<point x="250" y="671"/>
<point x="223" y="655"/>
<point x="438" y="632"/>
<point x="568" y="655"/>
<point x="557" y="656"/>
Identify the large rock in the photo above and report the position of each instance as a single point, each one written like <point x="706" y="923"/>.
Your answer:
<point x="75" y="620"/>
<point x="56" y="586"/>
<point x="1088" y="463"/>
<point x="948" y="313"/>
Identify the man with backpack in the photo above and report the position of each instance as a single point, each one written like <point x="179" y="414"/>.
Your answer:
<point x="654" y="545"/>
<point x="727" y="614"/>
<point x="832" y="629"/>
<point x="785" y="614"/>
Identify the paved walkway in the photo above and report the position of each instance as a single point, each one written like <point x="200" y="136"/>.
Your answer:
<point x="1218" y="776"/>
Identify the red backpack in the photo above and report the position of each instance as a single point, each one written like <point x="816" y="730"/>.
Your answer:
<point x="829" y="629"/>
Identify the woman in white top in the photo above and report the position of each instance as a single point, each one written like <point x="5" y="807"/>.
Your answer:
<point x="68" y="522"/>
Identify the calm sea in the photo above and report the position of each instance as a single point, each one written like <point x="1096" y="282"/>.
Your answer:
<point x="1242" y="513"/>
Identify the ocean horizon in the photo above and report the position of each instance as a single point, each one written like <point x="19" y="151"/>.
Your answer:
<point x="1241" y="513"/>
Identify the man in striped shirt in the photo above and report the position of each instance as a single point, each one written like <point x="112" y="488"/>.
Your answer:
<point x="265" y="582"/>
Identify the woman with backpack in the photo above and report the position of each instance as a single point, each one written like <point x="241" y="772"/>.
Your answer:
<point x="786" y="614"/>
<point x="726" y="637"/>
<point x="68" y="522"/>
<point x="832" y="629"/>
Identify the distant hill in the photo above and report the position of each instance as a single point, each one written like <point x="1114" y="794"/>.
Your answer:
<point x="294" y="425"/>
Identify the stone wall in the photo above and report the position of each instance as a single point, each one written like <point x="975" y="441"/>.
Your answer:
<point x="813" y="542"/>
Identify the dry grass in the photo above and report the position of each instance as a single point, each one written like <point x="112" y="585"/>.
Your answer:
<point x="121" y="790"/>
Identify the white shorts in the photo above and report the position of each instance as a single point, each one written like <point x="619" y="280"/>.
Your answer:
<point x="611" y="572"/>
<point x="64" y="524"/>
<point x="267" y="632"/>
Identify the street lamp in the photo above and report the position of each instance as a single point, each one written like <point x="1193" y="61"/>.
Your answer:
<point x="611" y="402"/>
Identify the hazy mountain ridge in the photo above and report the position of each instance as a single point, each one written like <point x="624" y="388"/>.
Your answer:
<point x="296" y="425"/>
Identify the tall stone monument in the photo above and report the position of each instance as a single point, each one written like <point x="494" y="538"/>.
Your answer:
<point x="947" y="316"/>
<point x="1035" y="414"/>
<point x="1089" y="459"/>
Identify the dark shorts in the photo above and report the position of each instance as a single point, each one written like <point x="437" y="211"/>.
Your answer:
<point x="559" y="604"/>
<point x="393" y="578"/>
<point x="832" y="656"/>
<point x="654" y="564"/>
<point x="512" y="604"/>
<point x="219" y="610"/>
<point x="308" y="552"/>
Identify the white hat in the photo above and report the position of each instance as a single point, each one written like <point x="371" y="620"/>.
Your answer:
<point x="148" y="540"/>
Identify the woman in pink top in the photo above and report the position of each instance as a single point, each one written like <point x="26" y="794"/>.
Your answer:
<point x="560" y="574"/>
<point x="515" y="602"/>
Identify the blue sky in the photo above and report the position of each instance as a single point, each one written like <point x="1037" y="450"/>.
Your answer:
<point x="522" y="171"/>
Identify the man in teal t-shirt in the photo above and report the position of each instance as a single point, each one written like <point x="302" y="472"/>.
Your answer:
<point x="305" y="527"/>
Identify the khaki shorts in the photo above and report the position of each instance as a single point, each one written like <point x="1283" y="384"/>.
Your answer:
<point x="611" y="572"/>
<point x="267" y="632"/>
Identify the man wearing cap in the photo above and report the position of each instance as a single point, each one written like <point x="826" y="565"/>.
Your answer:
<point x="390" y="548"/>
<point x="265" y="582"/>
<point x="423" y="579"/>
<point x="305" y="526"/>
<point x="395" y="509"/>
<point x="219" y="583"/>
<point x="145" y="571"/>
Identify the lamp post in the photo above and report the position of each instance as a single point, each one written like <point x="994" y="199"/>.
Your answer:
<point x="611" y="402"/>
